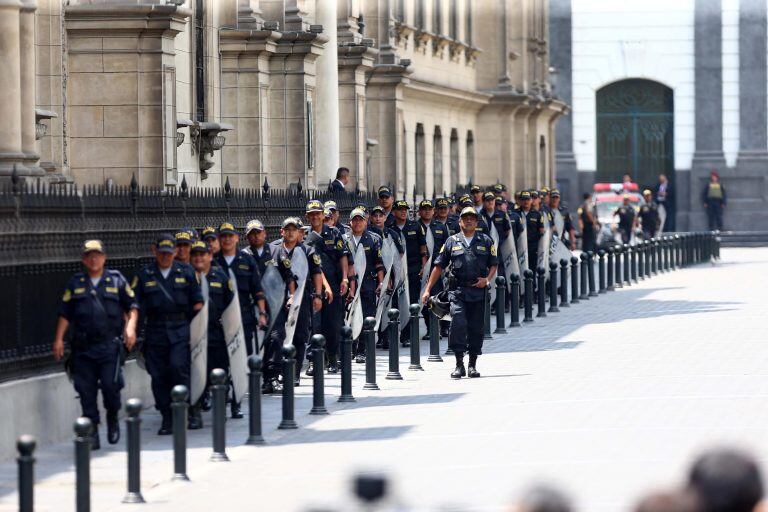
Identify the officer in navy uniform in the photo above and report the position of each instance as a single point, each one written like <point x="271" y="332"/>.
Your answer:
<point x="249" y="291"/>
<point x="168" y="296"/>
<point x="96" y="304"/>
<point x="328" y="243"/>
<point x="387" y="201"/>
<point x="257" y="244"/>
<point x="439" y="236"/>
<point x="379" y="227"/>
<point x="371" y="279"/>
<point x="587" y="221"/>
<point x="534" y="225"/>
<point x="627" y="219"/>
<point x="311" y="300"/>
<point x="568" y="229"/>
<point x="442" y="211"/>
<point x="470" y="259"/>
<point x="649" y="216"/>
<point x="477" y="197"/>
<point x="183" y="244"/>
<point x="416" y="255"/>
<point x="210" y="236"/>
<point x="220" y="295"/>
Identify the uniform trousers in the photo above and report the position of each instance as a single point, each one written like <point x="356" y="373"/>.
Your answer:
<point x="93" y="368"/>
<point x="331" y="320"/>
<point x="167" y="358"/>
<point x="467" y="322"/>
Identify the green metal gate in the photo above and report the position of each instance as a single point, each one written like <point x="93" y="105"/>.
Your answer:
<point x="635" y="131"/>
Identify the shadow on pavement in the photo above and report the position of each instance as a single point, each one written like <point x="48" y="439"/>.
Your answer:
<point x="308" y="435"/>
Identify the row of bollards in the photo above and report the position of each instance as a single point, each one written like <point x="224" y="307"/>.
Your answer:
<point x="618" y="266"/>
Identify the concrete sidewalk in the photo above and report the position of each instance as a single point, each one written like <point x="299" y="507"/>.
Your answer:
<point x="607" y="399"/>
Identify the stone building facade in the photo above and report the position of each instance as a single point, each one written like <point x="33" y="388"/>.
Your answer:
<point x="419" y="94"/>
<point x="706" y="61"/>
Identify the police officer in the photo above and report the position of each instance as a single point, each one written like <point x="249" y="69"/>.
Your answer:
<point x="649" y="216"/>
<point x="96" y="304"/>
<point x="257" y="244"/>
<point x="587" y="223"/>
<point x="168" y="296"/>
<point x="329" y="245"/>
<point x="311" y="299"/>
<point x="627" y="219"/>
<point x="210" y="236"/>
<point x="555" y="204"/>
<point x="416" y="254"/>
<point x="386" y="201"/>
<point x="442" y="211"/>
<point x="379" y="227"/>
<point x="370" y="280"/>
<point x="534" y="227"/>
<point x="714" y="200"/>
<point x="220" y="295"/>
<point x="249" y="291"/>
<point x="477" y="197"/>
<point x="439" y="231"/>
<point x="183" y="245"/>
<point x="470" y="259"/>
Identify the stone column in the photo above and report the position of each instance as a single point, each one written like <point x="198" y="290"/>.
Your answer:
<point x="560" y="57"/>
<point x="327" y="160"/>
<point x="10" y="88"/>
<point x="28" y="89"/>
<point x="753" y="136"/>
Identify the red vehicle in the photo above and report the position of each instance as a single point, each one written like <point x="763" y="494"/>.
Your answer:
<point x="606" y="198"/>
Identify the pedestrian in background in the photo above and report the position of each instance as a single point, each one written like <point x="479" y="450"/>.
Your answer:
<point x="714" y="200"/>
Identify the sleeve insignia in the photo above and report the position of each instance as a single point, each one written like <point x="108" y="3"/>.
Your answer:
<point x="316" y="259"/>
<point x="67" y="295"/>
<point x="135" y="282"/>
<point x="129" y="291"/>
<point x="493" y="250"/>
<point x="287" y="263"/>
<point x="339" y="244"/>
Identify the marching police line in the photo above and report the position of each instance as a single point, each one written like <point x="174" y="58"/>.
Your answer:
<point x="222" y="323"/>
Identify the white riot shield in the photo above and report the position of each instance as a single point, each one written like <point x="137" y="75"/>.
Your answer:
<point x="403" y="293"/>
<point x="274" y="293"/>
<point x="559" y="222"/>
<point x="427" y="266"/>
<point x="544" y="243"/>
<point x="508" y="254"/>
<point x="198" y="347"/>
<point x="235" y="338"/>
<point x="300" y="269"/>
<point x="558" y="251"/>
<point x="389" y="256"/>
<point x="354" y="315"/>
<point x="495" y="238"/>
<point x="522" y="249"/>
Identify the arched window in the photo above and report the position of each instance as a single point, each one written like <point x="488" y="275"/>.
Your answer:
<point x="437" y="155"/>
<point x="421" y="174"/>
<point x="454" y="159"/>
<point x="470" y="157"/>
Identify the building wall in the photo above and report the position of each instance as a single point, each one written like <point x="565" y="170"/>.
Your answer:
<point x="651" y="39"/>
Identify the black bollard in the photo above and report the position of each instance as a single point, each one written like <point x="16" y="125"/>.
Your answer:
<point x="633" y="263"/>
<point x="254" y="401"/>
<point x="434" y="338"/>
<point x="584" y="275"/>
<point x="528" y="298"/>
<point x="591" y="273"/>
<point x="370" y="353"/>
<point x="26" y="464"/>
<point x="514" y="310"/>
<point x="625" y="274"/>
<point x="639" y="250"/>
<point x="318" y="377"/>
<point x="647" y="258"/>
<point x="601" y="270"/>
<point x="675" y="251"/>
<point x="487" y="314"/>
<point x="501" y="302"/>
<point x="564" y="283"/>
<point x="415" y="310"/>
<point x="656" y="256"/>
<point x="609" y="269"/>
<point x="289" y="368"/>
<point x="346" y="364"/>
<point x="179" y="395"/>
<point x="83" y="430"/>
<point x="665" y="249"/>
<point x="553" y="287"/>
<point x="574" y="280"/>
<point x="618" y="251"/>
<point x="133" y="442"/>
<point x="660" y="253"/>
<point x="394" y="349"/>
<point x="219" y="394"/>
<point x="541" y="296"/>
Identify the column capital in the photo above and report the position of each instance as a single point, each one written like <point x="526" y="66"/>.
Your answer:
<point x="126" y="18"/>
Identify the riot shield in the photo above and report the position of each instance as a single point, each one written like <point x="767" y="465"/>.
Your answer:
<point x="198" y="348"/>
<point x="234" y="336"/>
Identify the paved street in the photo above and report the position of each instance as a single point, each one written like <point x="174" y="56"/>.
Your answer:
<point x="606" y="399"/>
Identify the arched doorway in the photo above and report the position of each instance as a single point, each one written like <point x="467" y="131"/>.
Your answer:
<point x="635" y="131"/>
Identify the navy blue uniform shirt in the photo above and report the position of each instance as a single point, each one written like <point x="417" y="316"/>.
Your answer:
<point x="454" y="253"/>
<point x="176" y="294"/>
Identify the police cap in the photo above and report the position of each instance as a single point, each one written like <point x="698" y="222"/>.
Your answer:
<point x="330" y="205"/>
<point x="475" y="189"/>
<point x="426" y="203"/>
<point x="165" y="243"/>
<point x="465" y="201"/>
<point x="525" y="194"/>
<point x="314" y="206"/>
<point x="93" y="246"/>
<point x="227" y="228"/>
<point x="469" y="210"/>
<point x="199" y="247"/>
<point x="554" y="193"/>
<point x="488" y="196"/>
<point x="534" y="194"/>
<point x="183" y="238"/>
<point x="254" y="225"/>
<point x="358" y="212"/>
<point x="291" y="221"/>
<point x="377" y="209"/>
<point x="499" y="188"/>
<point x="401" y="204"/>
<point x="385" y="192"/>
<point x="441" y="203"/>
<point x="209" y="232"/>
<point x="647" y="192"/>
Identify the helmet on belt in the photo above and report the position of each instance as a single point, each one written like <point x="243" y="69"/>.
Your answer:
<point x="440" y="305"/>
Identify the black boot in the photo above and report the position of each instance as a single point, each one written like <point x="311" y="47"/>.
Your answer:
<point x="235" y="410"/>
<point x="473" y="373"/>
<point x="333" y="364"/>
<point x="460" y="371"/>
<point x="205" y="401"/>
<point x="195" y="420"/>
<point x="166" y="427"/>
<point x="95" y="442"/>
<point x="113" y="427"/>
<point x="310" y="369"/>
